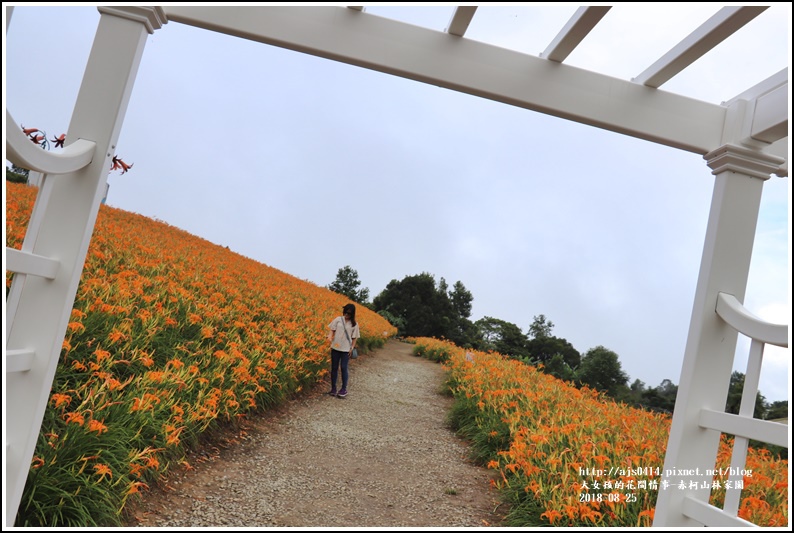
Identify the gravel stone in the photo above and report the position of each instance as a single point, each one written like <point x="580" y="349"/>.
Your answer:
<point x="381" y="457"/>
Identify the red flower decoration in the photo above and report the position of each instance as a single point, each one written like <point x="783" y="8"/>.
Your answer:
<point x="60" y="140"/>
<point x="118" y="164"/>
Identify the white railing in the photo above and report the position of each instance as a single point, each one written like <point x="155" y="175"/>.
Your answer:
<point x="743" y="426"/>
<point x="48" y="266"/>
<point x="23" y="262"/>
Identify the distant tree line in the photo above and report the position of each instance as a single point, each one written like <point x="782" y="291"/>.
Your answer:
<point x="419" y="307"/>
<point x="17" y="174"/>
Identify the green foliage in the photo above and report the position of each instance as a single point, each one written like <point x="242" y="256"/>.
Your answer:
<point x="396" y="321"/>
<point x="420" y="308"/>
<point x="601" y="370"/>
<point x="435" y="354"/>
<point x="661" y="398"/>
<point x="540" y="327"/>
<point x="16" y="175"/>
<point x="560" y="369"/>
<point x="734" y="400"/>
<point x="545" y="347"/>
<point x="777" y="410"/>
<point x="347" y="283"/>
<point x="503" y="337"/>
<point x="461" y="300"/>
<point x="487" y="434"/>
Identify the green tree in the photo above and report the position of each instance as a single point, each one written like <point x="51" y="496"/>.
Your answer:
<point x="420" y="308"/>
<point x="17" y="174"/>
<point x="347" y="283"/>
<point x="734" y="400"/>
<point x="777" y="410"/>
<point x="558" y="368"/>
<point x="503" y="337"/>
<point x="417" y="301"/>
<point x="461" y="300"/>
<point x="601" y="370"/>
<point x="544" y="347"/>
<point x="660" y="398"/>
<point x="540" y="327"/>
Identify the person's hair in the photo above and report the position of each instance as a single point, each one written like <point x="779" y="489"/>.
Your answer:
<point x="350" y="309"/>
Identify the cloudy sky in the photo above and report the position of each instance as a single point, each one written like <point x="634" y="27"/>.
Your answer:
<point x="309" y="165"/>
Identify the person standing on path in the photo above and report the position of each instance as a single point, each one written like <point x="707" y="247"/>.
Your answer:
<point x="343" y="334"/>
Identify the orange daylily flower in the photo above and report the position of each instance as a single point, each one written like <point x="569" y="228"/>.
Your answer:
<point x="29" y="131"/>
<point x="103" y="470"/>
<point x="59" y="140"/>
<point x="96" y="425"/>
<point x="119" y="164"/>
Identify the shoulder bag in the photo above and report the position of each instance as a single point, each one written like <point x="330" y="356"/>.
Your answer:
<point x="354" y="353"/>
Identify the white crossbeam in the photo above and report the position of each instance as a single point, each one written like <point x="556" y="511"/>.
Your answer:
<point x="574" y="31"/>
<point x="461" y="19"/>
<point x="471" y="67"/>
<point x="711" y="33"/>
<point x="29" y="263"/>
<point x="708" y="514"/>
<point x="18" y="360"/>
<point x="751" y="428"/>
<point x="770" y="120"/>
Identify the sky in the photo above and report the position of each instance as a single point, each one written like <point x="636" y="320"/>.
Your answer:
<point x="309" y="165"/>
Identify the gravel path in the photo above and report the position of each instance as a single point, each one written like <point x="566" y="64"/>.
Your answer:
<point x="382" y="457"/>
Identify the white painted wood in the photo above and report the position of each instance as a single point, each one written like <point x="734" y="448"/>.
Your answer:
<point x="743" y="321"/>
<point x="65" y="227"/>
<point x="742" y="140"/>
<point x="25" y="154"/>
<point x="575" y="30"/>
<point x="762" y="430"/>
<point x="31" y="234"/>
<point x="770" y="120"/>
<point x="18" y="360"/>
<point x="460" y="21"/>
<point x="471" y="67"/>
<point x="704" y="513"/>
<point x="28" y="263"/>
<point x="715" y="30"/>
<point x="774" y="81"/>
<point x="752" y="377"/>
<point x="708" y="359"/>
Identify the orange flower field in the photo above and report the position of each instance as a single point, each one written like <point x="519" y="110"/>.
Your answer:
<point x="572" y="457"/>
<point x="170" y="338"/>
<point x="173" y="339"/>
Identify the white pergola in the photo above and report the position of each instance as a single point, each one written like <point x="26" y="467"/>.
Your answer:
<point x="744" y="141"/>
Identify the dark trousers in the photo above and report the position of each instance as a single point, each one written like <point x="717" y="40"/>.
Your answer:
<point x="339" y="359"/>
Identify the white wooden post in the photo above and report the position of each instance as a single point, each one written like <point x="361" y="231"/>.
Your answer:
<point x="708" y="360"/>
<point x="35" y="332"/>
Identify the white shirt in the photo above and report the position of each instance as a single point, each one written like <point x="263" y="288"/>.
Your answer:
<point x="339" y="340"/>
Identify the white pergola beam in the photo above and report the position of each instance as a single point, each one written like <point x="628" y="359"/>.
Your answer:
<point x="461" y="19"/>
<point x="770" y="119"/>
<point x="27" y="263"/>
<point x="574" y="31"/>
<point x="711" y="33"/>
<point x="471" y="67"/>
